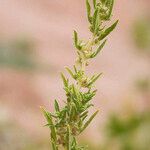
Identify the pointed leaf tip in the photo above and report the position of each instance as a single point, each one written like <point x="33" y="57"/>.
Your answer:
<point x="89" y="121"/>
<point x="108" y="31"/>
<point x="99" y="49"/>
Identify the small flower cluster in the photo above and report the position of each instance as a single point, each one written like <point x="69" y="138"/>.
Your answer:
<point x="68" y="122"/>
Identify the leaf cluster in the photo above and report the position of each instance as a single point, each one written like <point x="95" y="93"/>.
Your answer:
<point x="98" y="14"/>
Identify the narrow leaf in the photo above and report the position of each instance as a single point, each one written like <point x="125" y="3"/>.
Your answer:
<point x="76" y="40"/>
<point x="89" y="121"/>
<point x="108" y="31"/>
<point x="74" y="143"/>
<point x="72" y="113"/>
<point x="98" y="50"/>
<point x="57" y="106"/>
<point x="70" y="72"/>
<point x="64" y="80"/>
<point x="52" y="127"/>
<point x="75" y="69"/>
<point x="88" y="7"/>
<point x="68" y="138"/>
<point x="75" y="91"/>
<point x="94" y="21"/>
<point x="94" y="3"/>
<point x="84" y="114"/>
<point x="94" y="79"/>
<point x="84" y="117"/>
<point x="111" y="4"/>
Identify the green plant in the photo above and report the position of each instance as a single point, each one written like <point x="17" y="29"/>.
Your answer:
<point x="17" y="54"/>
<point x="141" y="34"/>
<point x="127" y="131"/>
<point x="70" y="121"/>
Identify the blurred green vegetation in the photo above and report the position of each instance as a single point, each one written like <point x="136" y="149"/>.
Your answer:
<point x="17" y="54"/>
<point x="141" y="34"/>
<point x="130" y="130"/>
<point x="128" y="133"/>
<point x="143" y="84"/>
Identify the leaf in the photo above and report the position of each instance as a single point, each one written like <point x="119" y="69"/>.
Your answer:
<point x="84" y="114"/>
<point x="74" y="143"/>
<point x="89" y="105"/>
<point x="108" y="31"/>
<point x="76" y="40"/>
<point x="88" y="7"/>
<point x="75" y="69"/>
<point x="94" y="79"/>
<point x="64" y="80"/>
<point x="72" y="113"/>
<point x="54" y="144"/>
<point x="47" y="125"/>
<point x="95" y="21"/>
<point x="98" y="50"/>
<point x="110" y="4"/>
<point x="89" y="121"/>
<point x="94" y="3"/>
<point x="68" y="138"/>
<point x="84" y="117"/>
<point x="63" y="113"/>
<point x="57" y="106"/>
<point x="52" y="128"/>
<point x="70" y="72"/>
<point x="76" y="92"/>
<point x="104" y="1"/>
<point x="77" y="103"/>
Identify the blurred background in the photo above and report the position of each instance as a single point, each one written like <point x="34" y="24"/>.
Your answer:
<point x="36" y="44"/>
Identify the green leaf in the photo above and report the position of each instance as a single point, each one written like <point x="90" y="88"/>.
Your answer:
<point x="94" y="79"/>
<point x="75" y="69"/>
<point x="47" y="125"/>
<point x="65" y="81"/>
<point x="77" y="103"/>
<point x="72" y="112"/>
<point x="95" y="21"/>
<point x="84" y="114"/>
<point x="94" y="3"/>
<point x="108" y="31"/>
<point x="57" y="106"/>
<point x="104" y="1"/>
<point x="76" y="40"/>
<point x="63" y="113"/>
<point x="98" y="50"/>
<point x="88" y="7"/>
<point x="52" y="128"/>
<point x="68" y="138"/>
<point x="70" y="72"/>
<point x="75" y="91"/>
<point x="110" y="4"/>
<point x="74" y="143"/>
<point x="84" y="117"/>
<point x="89" y="121"/>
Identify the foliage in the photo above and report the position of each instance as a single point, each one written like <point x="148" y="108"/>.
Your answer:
<point x="141" y="34"/>
<point x="70" y="121"/>
<point x="143" y="84"/>
<point x="17" y="54"/>
<point x="128" y="133"/>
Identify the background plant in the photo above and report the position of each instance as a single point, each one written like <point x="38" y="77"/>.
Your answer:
<point x="127" y="133"/>
<point x="70" y="121"/>
<point x="141" y="34"/>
